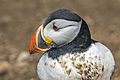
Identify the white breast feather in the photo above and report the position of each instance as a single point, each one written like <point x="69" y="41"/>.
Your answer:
<point x="95" y="64"/>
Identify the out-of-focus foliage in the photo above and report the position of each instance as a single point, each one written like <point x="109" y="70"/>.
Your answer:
<point x="20" y="18"/>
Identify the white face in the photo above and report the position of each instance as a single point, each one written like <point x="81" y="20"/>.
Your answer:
<point x="62" y="31"/>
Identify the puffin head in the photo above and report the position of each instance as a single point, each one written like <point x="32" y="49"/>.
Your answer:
<point x="60" y="28"/>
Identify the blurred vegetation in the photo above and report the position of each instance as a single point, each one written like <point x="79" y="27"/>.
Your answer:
<point x="20" y="18"/>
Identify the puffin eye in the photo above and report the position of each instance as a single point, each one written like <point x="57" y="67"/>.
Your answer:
<point x="55" y="27"/>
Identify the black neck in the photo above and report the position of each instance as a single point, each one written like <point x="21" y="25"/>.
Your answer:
<point x="83" y="39"/>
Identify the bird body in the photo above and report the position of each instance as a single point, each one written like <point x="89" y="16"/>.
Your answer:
<point x="94" y="64"/>
<point x="68" y="51"/>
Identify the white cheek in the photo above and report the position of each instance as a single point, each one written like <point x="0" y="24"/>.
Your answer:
<point x="63" y="36"/>
<point x="70" y="33"/>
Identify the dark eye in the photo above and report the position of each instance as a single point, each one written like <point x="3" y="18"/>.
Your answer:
<point x="55" y="27"/>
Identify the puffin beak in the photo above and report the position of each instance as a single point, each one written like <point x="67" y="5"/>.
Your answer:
<point x="39" y="43"/>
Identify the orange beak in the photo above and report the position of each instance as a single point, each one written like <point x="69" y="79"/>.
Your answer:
<point x="39" y="43"/>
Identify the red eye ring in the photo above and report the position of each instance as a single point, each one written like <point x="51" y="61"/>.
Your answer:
<point x="55" y="27"/>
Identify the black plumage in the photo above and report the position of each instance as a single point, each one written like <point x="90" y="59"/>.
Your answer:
<point x="62" y="14"/>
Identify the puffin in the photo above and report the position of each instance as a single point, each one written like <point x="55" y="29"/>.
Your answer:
<point x="67" y="50"/>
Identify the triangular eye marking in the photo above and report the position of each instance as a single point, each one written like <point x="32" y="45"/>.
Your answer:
<point x="55" y="28"/>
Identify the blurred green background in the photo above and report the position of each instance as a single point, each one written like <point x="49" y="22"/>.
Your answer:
<point x="20" y="18"/>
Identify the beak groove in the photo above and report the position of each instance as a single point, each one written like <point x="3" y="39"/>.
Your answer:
<point x="34" y="45"/>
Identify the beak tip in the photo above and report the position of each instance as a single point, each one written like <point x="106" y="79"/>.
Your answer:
<point x="30" y="51"/>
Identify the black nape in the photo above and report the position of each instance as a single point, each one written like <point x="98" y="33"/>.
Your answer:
<point x="84" y="37"/>
<point x="62" y="14"/>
